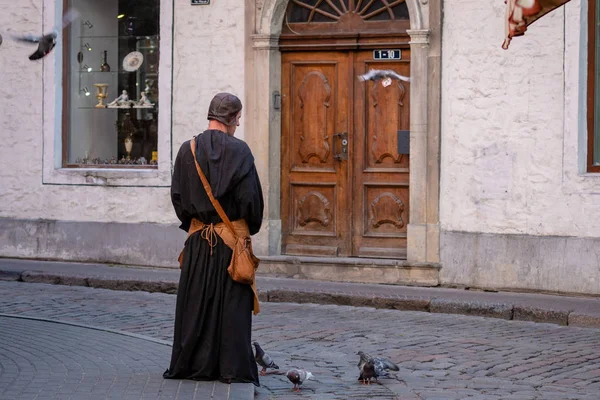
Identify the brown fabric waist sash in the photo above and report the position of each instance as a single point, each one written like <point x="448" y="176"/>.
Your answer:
<point x="209" y="232"/>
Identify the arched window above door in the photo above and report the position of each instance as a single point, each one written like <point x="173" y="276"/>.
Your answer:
<point x="345" y="16"/>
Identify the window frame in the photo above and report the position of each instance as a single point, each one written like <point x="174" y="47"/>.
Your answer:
<point x="53" y="172"/>
<point x="591" y="86"/>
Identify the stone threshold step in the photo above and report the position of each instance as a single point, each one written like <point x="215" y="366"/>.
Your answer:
<point x="356" y="270"/>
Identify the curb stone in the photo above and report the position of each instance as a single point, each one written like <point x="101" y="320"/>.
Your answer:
<point x="535" y="314"/>
<point x="584" y="320"/>
<point x="342" y="299"/>
<point x="510" y="310"/>
<point x="492" y="310"/>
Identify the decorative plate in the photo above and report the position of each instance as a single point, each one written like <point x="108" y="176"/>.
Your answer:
<point x="133" y="61"/>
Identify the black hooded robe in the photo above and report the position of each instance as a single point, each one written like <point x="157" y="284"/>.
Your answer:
<point x="213" y="317"/>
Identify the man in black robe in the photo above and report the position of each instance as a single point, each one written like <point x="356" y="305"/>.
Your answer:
<point x="213" y="318"/>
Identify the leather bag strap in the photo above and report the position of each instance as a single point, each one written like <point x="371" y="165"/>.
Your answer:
<point x="214" y="201"/>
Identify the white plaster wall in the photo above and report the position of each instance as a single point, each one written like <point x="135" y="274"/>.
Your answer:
<point x="208" y="57"/>
<point x="511" y="125"/>
<point x="209" y="54"/>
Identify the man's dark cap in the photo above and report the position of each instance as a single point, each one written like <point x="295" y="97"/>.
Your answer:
<point x="224" y="107"/>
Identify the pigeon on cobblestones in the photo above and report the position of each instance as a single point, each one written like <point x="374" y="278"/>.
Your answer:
<point x="374" y="367"/>
<point x="378" y="74"/>
<point x="297" y="377"/>
<point x="264" y="360"/>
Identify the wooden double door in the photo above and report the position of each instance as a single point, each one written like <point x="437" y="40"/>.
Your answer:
<point x="344" y="180"/>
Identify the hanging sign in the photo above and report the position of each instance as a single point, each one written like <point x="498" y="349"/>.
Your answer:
<point x="387" y="54"/>
<point x="200" y="2"/>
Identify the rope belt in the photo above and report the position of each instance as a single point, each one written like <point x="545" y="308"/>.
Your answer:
<point x="208" y="233"/>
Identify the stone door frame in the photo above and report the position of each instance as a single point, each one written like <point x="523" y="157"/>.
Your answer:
<point x="264" y="19"/>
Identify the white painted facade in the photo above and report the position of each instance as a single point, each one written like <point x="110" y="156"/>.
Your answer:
<point x="512" y="158"/>
<point x="208" y="42"/>
<point x="514" y="145"/>
<point x="512" y="135"/>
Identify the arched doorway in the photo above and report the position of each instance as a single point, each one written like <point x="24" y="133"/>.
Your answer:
<point x="344" y="143"/>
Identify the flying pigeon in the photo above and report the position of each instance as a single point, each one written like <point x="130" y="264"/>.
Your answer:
<point x="47" y="42"/>
<point x="263" y="360"/>
<point x="297" y="376"/>
<point x="377" y="74"/>
<point x="374" y="367"/>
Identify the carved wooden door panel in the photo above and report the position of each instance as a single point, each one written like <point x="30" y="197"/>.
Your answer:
<point x="315" y="201"/>
<point x="381" y="174"/>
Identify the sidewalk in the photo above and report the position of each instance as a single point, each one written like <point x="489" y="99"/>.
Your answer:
<point x="91" y="363"/>
<point x="562" y="310"/>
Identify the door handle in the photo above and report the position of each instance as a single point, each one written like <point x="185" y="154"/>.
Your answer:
<point x="342" y="144"/>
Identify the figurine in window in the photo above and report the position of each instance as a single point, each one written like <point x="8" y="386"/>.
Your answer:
<point x="149" y="89"/>
<point x="144" y="102"/>
<point x="122" y="100"/>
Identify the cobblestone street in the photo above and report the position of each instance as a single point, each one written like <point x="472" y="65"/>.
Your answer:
<point x="440" y="356"/>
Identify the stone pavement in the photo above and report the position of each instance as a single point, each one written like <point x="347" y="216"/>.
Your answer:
<point x="562" y="310"/>
<point x="441" y="356"/>
<point x="42" y="359"/>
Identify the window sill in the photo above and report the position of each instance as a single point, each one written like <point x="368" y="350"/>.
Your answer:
<point x="124" y="177"/>
<point x="109" y="167"/>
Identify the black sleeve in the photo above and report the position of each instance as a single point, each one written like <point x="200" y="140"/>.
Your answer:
<point x="176" y="191"/>
<point x="250" y="200"/>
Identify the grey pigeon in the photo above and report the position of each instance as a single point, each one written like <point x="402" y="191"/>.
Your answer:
<point x="377" y="74"/>
<point x="0" y="40"/>
<point x="366" y="366"/>
<point x="297" y="376"/>
<point x="374" y="367"/>
<point x="47" y="42"/>
<point x="264" y="360"/>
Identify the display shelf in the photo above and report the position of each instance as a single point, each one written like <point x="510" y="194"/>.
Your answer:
<point x="153" y="74"/>
<point x="115" y="108"/>
<point x="120" y="37"/>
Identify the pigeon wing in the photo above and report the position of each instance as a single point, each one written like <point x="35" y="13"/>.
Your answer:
<point x="29" y="38"/>
<point x="395" y="75"/>
<point x="68" y="18"/>
<point x="302" y="375"/>
<point x="45" y="46"/>
<point x="261" y="361"/>
<point x="387" y="364"/>
<point x="268" y="362"/>
<point x="372" y="74"/>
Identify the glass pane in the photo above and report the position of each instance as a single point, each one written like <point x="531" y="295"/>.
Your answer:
<point x="401" y="11"/>
<point x="377" y="5"/>
<point x="299" y="13"/>
<point x="112" y="92"/>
